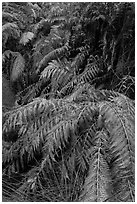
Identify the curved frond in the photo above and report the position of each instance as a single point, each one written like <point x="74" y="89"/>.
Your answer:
<point x="120" y="126"/>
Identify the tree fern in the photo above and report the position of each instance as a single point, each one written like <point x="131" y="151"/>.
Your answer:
<point x="68" y="134"/>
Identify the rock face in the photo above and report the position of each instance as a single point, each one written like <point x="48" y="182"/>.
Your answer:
<point x="8" y="96"/>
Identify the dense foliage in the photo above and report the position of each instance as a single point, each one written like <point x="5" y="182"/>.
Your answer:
<point x="68" y="101"/>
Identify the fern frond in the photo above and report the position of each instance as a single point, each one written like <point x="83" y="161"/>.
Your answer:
<point x="59" y="72"/>
<point x="120" y="126"/>
<point x="43" y="126"/>
<point x="30" y="133"/>
<point x="49" y="70"/>
<point x="97" y="186"/>
<point x="69" y="87"/>
<point x="90" y="72"/>
<point x="23" y="114"/>
<point x="54" y="55"/>
<point x="65" y="130"/>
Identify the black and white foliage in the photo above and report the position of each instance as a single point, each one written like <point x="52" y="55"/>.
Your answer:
<point x="69" y="132"/>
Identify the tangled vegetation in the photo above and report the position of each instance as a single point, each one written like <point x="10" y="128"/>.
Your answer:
<point x="68" y="102"/>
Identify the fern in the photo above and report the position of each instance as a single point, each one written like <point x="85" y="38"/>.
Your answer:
<point x="97" y="186"/>
<point x="26" y="37"/>
<point x="121" y="129"/>
<point x="59" y="72"/>
<point x="67" y="134"/>
<point x="55" y="54"/>
<point x="10" y="30"/>
<point x="48" y="126"/>
<point x="92" y="70"/>
<point x="22" y="119"/>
